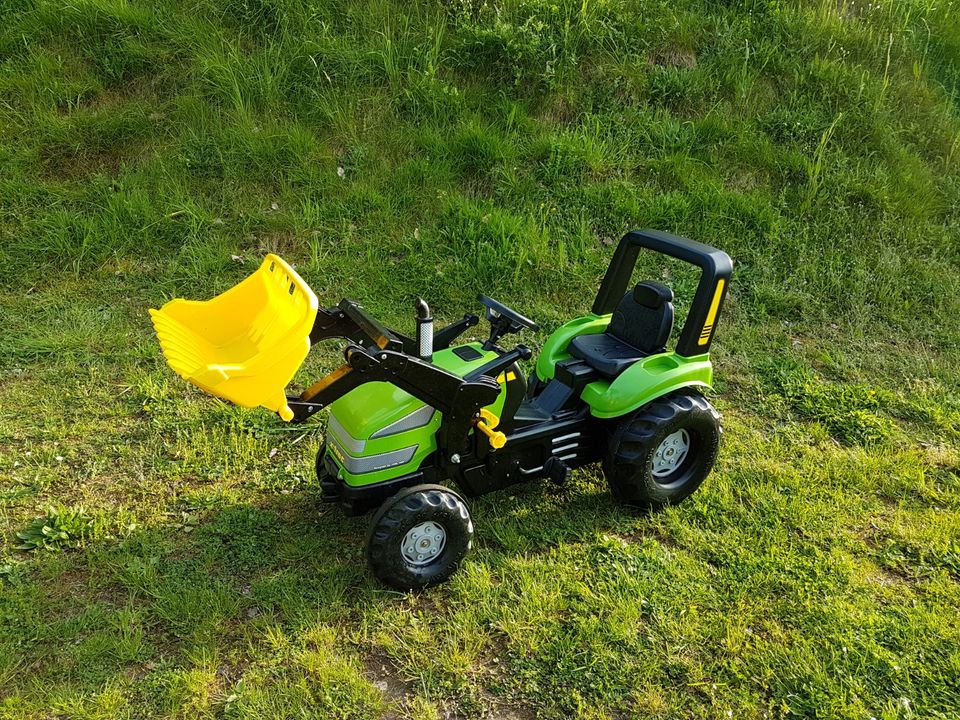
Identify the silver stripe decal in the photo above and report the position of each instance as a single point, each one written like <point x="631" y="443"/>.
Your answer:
<point x="417" y="419"/>
<point x="571" y="446"/>
<point x="372" y="463"/>
<point x="344" y="439"/>
<point x="563" y="438"/>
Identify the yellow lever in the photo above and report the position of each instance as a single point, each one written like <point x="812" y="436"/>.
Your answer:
<point x="486" y="424"/>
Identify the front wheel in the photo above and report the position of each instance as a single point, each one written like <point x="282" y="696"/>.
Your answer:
<point x="419" y="537"/>
<point x="661" y="454"/>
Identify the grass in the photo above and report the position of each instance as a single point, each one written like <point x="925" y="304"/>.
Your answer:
<point x="165" y="555"/>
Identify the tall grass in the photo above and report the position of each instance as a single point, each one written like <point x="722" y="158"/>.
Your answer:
<point x="401" y="149"/>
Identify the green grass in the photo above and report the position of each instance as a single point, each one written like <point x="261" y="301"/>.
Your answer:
<point x="159" y="559"/>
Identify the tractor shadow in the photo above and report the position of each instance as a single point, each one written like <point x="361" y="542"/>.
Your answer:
<point x="214" y="585"/>
<point x="296" y="556"/>
<point x="292" y="558"/>
<point x="535" y="517"/>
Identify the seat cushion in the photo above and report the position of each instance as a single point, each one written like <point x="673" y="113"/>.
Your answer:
<point x="607" y="354"/>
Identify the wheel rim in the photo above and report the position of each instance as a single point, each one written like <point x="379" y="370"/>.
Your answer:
<point x="671" y="453"/>
<point x="423" y="543"/>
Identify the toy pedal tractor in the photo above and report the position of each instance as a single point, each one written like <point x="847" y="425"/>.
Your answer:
<point x="409" y="413"/>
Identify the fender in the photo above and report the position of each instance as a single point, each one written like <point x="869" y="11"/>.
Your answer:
<point x="645" y="381"/>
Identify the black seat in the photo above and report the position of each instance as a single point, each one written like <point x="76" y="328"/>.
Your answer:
<point x="640" y="326"/>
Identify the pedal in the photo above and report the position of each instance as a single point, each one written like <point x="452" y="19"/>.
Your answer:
<point x="329" y="490"/>
<point x="556" y="470"/>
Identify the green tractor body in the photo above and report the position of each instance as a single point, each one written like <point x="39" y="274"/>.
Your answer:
<point x="378" y="432"/>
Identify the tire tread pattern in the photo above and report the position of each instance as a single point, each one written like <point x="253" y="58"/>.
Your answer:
<point x="407" y="508"/>
<point x="636" y="437"/>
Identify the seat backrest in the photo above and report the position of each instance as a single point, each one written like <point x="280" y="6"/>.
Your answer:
<point x="644" y="317"/>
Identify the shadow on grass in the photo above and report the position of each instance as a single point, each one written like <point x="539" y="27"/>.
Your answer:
<point x="215" y="583"/>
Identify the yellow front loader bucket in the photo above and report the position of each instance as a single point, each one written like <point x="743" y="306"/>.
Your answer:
<point x="246" y="344"/>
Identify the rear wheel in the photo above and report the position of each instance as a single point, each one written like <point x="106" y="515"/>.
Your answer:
<point x="419" y="537"/>
<point x="662" y="453"/>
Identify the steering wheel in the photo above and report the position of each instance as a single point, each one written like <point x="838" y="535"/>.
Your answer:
<point x="497" y="312"/>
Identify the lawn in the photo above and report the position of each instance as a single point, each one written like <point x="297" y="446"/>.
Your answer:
<point x="163" y="554"/>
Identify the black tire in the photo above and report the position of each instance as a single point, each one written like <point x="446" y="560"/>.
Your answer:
<point x="411" y="508"/>
<point x="629" y="464"/>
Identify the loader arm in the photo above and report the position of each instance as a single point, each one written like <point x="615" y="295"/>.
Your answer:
<point x="458" y="400"/>
<point x="378" y="356"/>
<point x="350" y="321"/>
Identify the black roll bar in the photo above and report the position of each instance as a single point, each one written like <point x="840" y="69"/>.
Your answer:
<point x="716" y="267"/>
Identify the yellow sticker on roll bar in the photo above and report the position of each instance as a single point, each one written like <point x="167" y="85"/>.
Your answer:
<point x="712" y="314"/>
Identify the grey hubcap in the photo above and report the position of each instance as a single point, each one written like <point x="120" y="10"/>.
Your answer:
<point x="671" y="453"/>
<point x="423" y="543"/>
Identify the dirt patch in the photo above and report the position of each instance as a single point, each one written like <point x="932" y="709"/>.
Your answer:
<point x="380" y="670"/>
<point x="885" y="577"/>
<point x="673" y="57"/>
<point x="401" y="695"/>
<point x="285" y="243"/>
